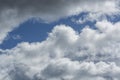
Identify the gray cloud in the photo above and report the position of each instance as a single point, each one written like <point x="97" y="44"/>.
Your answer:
<point x="57" y="9"/>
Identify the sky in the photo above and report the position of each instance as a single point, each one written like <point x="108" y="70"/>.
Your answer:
<point x="59" y="39"/>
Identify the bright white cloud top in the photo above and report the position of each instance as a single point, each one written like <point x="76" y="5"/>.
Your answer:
<point x="93" y="54"/>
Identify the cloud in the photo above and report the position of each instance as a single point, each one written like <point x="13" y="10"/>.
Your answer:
<point x="70" y="70"/>
<point x="14" y="12"/>
<point x="66" y="55"/>
<point x="93" y="17"/>
<point x="9" y="20"/>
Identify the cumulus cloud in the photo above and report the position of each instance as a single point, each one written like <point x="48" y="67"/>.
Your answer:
<point x="14" y="12"/>
<point x="66" y="55"/>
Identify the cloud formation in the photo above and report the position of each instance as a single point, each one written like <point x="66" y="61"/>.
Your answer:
<point x="66" y="55"/>
<point x="14" y="12"/>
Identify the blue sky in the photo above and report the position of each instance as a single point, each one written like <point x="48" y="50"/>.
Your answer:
<point x="34" y="30"/>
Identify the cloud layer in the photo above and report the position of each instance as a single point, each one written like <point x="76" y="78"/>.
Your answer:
<point x="14" y="12"/>
<point x="66" y="55"/>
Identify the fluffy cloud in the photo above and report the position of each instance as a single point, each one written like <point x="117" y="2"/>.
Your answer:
<point x="66" y="55"/>
<point x="14" y="12"/>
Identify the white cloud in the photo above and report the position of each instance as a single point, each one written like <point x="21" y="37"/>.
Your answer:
<point x="66" y="55"/>
<point x="14" y="12"/>
<point x="70" y="70"/>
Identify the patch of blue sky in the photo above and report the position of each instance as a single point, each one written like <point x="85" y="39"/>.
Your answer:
<point x="37" y="31"/>
<point x="114" y="18"/>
